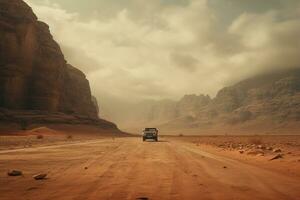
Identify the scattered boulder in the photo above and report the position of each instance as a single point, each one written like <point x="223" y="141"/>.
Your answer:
<point x="69" y="137"/>
<point x="255" y="152"/>
<point x="39" y="137"/>
<point x="277" y="157"/>
<point x="261" y="147"/>
<point x="15" y="173"/>
<point x="276" y="150"/>
<point x="40" y="176"/>
<point x="32" y="188"/>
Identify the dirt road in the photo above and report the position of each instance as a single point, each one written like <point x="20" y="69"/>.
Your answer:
<point x="127" y="168"/>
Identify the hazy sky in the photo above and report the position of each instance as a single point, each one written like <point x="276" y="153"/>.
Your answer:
<point x="136" y="49"/>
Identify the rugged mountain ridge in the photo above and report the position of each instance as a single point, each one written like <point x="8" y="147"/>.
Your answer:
<point x="36" y="82"/>
<point x="264" y="102"/>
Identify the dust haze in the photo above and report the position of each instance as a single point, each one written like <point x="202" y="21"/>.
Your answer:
<point x="218" y="82"/>
<point x="134" y="51"/>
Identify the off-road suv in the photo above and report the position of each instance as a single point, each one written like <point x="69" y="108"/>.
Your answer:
<point x="150" y="133"/>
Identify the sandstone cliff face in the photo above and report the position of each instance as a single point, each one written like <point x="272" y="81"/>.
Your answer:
<point x="76" y="94"/>
<point x="33" y="72"/>
<point x="95" y="102"/>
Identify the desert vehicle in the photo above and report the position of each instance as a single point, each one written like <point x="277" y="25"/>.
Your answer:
<point x="150" y="133"/>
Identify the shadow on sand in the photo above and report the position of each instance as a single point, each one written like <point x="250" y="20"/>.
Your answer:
<point x="156" y="141"/>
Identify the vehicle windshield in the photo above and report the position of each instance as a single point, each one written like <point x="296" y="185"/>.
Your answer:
<point x="150" y="129"/>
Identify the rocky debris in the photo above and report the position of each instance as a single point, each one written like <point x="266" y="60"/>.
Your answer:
<point x="39" y="137"/>
<point x="269" y="148"/>
<point x="69" y="137"/>
<point x="15" y="173"/>
<point x="277" y="157"/>
<point x="32" y="188"/>
<point x="255" y="152"/>
<point x="261" y="147"/>
<point x="40" y="176"/>
<point x="276" y="150"/>
<point x="241" y="151"/>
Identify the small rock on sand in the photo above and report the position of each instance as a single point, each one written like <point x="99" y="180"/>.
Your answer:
<point x="40" y="176"/>
<point x="241" y="151"/>
<point x="277" y="150"/>
<point x="277" y="157"/>
<point x="255" y="152"/>
<point x="261" y="147"/>
<point x="14" y="173"/>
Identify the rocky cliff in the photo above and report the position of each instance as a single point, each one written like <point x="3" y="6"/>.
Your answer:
<point x="34" y="76"/>
<point x="266" y="102"/>
<point x="274" y="96"/>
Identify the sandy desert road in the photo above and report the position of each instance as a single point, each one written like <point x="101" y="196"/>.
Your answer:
<point x="127" y="168"/>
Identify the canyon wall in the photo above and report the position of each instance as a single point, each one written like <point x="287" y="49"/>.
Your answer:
<point x="34" y="76"/>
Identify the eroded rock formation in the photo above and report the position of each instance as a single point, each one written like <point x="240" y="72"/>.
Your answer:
<point x="33" y="72"/>
<point x="265" y="102"/>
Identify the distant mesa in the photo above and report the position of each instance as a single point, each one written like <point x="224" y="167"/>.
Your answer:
<point x="37" y="85"/>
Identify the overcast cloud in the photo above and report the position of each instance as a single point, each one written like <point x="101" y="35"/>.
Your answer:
<point x="137" y="49"/>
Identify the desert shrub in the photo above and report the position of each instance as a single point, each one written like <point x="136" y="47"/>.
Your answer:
<point x="39" y="137"/>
